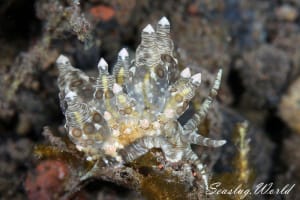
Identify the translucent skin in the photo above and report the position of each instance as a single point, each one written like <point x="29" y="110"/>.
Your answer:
<point x="123" y="115"/>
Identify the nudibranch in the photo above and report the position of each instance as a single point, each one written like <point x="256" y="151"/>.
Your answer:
<point x="118" y="117"/>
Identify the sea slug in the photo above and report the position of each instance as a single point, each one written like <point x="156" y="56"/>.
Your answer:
<point x="115" y="118"/>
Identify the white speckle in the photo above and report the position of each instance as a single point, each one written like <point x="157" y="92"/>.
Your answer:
<point x="144" y="123"/>
<point x="123" y="54"/>
<point x="61" y="174"/>
<point x="219" y="75"/>
<point x="152" y="74"/>
<point x="132" y="69"/>
<point x="115" y="133"/>
<point x="80" y="148"/>
<point x="148" y="29"/>
<point x="76" y="2"/>
<point x="176" y="60"/>
<point x="119" y="159"/>
<point x="117" y="88"/>
<point x="186" y="73"/>
<point x="84" y="137"/>
<point x="71" y="95"/>
<point x="221" y="142"/>
<point x="196" y="79"/>
<point x="97" y="126"/>
<point x="107" y="116"/>
<point x="118" y="145"/>
<point x="84" y="77"/>
<point x="218" y="79"/>
<point x="105" y="160"/>
<point x="89" y="158"/>
<point x="169" y="113"/>
<point x="110" y="148"/>
<point x="139" y="87"/>
<point x="62" y="60"/>
<point x="164" y="21"/>
<point x="178" y="156"/>
<point x="156" y="125"/>
<point x="103" y="64"/>
<point x="127" y="131"/>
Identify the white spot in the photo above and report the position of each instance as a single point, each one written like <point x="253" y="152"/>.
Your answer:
<point x="115" y="133"/>
<point x="169" y="113"/>
<point x="76" y="2"/>
<point x="196" y="79"/>
<point x="186" y="73"/>
<point x="123" y="54"/>
<point x="219" y="75"/>
<point x="105" y="160"/>
<point x="84" y="137"/>
<point x="132" y="69"/>
<point x="148" y="29"/>
<point x="218" y="80"/>
<point x="118" y="145"/>
<point x="110" y="148"/>
<point x="102" y="64"/>
<point x="156" y="125"/>
<point x="164" y="21"/>
<point x="71" y="95"/>
<point x="61" y="173"/>
<point x="107" y="116"/>
<point x="97" y="126"/>
<point x="127" y="131"/>
<point x="62" y="60"/>
<point x="176" y="61"/>
<point x="153" y="75"/>
<point x="139" y="87"/>
<point x="117" y="88"/>
<point x="119" y="159"/>
<point x="84" y="77"/>
<point x="80" y="148"/>
<point x="89" y="158"/>
<point x="178" y="156"/>
<point x="144" y="123"/>
<point x="221" y="142"/>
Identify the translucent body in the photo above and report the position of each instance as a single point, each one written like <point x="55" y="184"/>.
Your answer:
<point x="124" y="115"/>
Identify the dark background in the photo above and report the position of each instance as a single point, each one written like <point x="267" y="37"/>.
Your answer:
<point x="255" y="42"/>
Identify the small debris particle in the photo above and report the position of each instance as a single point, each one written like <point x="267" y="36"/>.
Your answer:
<point x="104" y="13"/>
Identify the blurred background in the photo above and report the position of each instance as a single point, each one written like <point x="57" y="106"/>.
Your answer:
<point x="256" y="43"/>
